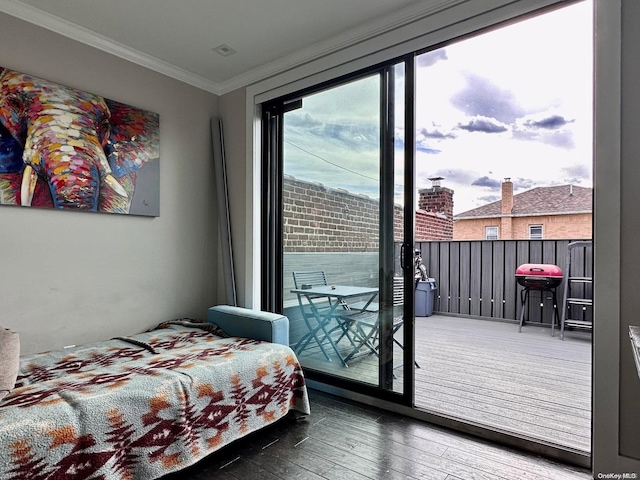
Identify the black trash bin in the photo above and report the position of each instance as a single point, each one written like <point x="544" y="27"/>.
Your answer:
<point x="425" y="295"/>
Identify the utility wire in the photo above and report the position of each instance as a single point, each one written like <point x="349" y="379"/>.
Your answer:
<point x="331" y="163"/>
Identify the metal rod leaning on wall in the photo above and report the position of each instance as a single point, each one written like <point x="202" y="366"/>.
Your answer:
<point x="223" y="210"/>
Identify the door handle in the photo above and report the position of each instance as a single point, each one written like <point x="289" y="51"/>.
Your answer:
<point x="403" y="257"/>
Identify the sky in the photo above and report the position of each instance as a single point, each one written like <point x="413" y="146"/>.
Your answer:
<point x="514" y="102"/>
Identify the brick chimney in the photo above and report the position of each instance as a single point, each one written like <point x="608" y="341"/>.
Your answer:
<point x="506" y="222"/>
<point x="507" y="196"/>
<point x="436" y="199"/>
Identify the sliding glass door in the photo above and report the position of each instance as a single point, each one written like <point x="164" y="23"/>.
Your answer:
<point x="338" y="155"/>
<point x="343" y="212"/>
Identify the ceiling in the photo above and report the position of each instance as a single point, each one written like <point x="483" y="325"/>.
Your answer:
<point x="178" y="38"/>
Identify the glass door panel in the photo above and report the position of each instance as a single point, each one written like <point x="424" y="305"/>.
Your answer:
<point x="330" y="202"/>
<point x="504" y="125"/>
<point x="340" y="225"/>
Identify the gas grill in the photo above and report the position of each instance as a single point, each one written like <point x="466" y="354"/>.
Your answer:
<point x="539" y="277"/>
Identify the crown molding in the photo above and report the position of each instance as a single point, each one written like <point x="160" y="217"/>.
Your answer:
<point x="83" y="35"/>
<point x="335" y="44"/>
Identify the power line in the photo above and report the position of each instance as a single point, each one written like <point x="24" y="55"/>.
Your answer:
<point x="331" y="163"/>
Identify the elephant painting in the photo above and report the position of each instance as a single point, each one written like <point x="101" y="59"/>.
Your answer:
<point x="68" y="149"/>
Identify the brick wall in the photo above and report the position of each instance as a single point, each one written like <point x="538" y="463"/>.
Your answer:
<point x="577" y="225"/>
<point x="474" y="229"/>
<point x="437" y="200"/>
<point x="321" y="219"/>
<point x="433" y="226"/>
<point x="553" y="227"/>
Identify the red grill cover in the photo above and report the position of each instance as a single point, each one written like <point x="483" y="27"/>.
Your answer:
<point x="539" y="270"/>
<point x="539" y="276"/>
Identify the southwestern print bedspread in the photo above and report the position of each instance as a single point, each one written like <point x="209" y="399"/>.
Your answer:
<point x="117" y="410"/>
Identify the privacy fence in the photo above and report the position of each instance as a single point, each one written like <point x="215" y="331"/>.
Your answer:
<point x="474" y="278"/>
<point x="477" y="278"/>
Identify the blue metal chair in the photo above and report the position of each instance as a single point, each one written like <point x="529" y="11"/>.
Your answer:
<point x="315" y="307"/>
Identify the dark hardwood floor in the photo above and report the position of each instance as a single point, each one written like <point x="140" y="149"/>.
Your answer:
<point x="344" y="440"/>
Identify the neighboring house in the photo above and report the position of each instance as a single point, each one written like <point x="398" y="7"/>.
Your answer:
<point x="560" y="212"/>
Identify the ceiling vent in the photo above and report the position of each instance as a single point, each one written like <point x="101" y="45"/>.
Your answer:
<point x="224" y="50"/>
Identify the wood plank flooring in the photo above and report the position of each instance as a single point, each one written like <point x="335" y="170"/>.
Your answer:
<point x="486" y="372"/>
<point x="344" y="440"/>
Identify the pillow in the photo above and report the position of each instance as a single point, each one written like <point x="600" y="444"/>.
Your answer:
<point x="9" y="360"/>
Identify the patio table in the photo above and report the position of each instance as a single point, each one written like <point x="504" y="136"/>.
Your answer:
<point x="323" y="316"/>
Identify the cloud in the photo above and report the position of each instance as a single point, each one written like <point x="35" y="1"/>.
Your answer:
<point x="431" y="58"/>
<point x="425" y="137"/>
<point x="576" y="174"/>
<point x="487" y="182"/>
<point x="484" y="125"/>
<point x="435" y="134"/>
<point x="496" y="185"/>
<point x="560" y="138"/>
<point x="321" y="135"/>
<point x="483" y="98"/>
<point x="420" y="147"/>
<point x="550" y="129"/>
<point x="355" y="135"/>
<point x="523" y="183"/>
<point x="295" y="119"/>
<point x="550" y="123"/>
<point x="488" y="199"/>
<point x="451" y="176"/>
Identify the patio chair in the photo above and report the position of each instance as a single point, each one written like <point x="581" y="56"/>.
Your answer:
<point x="367" y="323"/>
<point x="314" y="306"/>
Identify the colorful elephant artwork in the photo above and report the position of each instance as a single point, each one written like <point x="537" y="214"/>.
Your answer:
<point x="68" y="149"/>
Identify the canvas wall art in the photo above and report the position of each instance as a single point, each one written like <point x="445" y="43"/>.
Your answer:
<point x="68" y="149"/>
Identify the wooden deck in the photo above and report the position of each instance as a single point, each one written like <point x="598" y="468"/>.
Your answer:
<point x="486" y="372"/>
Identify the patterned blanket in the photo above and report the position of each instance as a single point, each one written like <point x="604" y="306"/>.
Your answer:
<point x="117" y="410"/>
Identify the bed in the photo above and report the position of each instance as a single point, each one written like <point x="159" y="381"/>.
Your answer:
<point x="150" y="404"/>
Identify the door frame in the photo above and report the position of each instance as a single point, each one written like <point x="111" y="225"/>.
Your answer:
<point x="272" y="129"/>
<point x="458" y="19"/>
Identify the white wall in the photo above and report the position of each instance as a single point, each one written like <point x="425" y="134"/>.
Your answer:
<point x="72" y="277"/>
<point x="232" y="113"/>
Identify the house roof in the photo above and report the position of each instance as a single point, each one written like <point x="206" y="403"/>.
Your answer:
<point x="539" y="201"/>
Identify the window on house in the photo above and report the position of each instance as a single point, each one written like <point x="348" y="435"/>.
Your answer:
<point x="535" y="232"/>
<point x="491" y="233"/>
